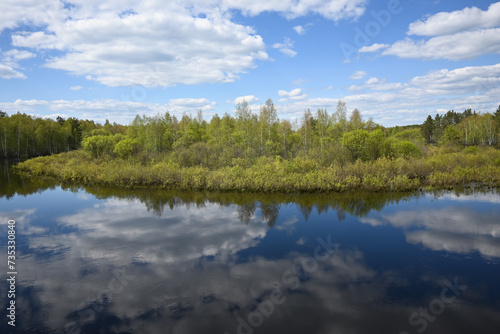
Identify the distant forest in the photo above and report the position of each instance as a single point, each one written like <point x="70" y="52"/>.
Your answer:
<point x="246" y="136"/>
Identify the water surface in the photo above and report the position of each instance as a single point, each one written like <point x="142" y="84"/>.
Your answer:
<point x="101" y="260"/>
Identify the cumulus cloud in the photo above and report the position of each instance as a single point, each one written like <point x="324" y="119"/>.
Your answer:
<point x="286" y="47"/>
<point x="446" y="23"/>
<point x="409" y="102"/>
<point x="247" y="98"/>
<point x="9" y="63"/>
<point x="459" y="46"/>
<point x="122" y="112"/>
<point x="333" y="10"/>
<point x="299" y="30"/>
<point x="389" y="103"/>
<point x="151" y="43"/>
<point x="358" y="75"/>
<point x="293" y="94"/>
<point x="76" y="87"/>
<point x="7" y="72"/>
<point x="373" y="48"/>
<point x="459" y="35"/>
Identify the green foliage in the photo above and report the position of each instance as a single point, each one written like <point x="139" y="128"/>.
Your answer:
<point x="101" y="144"/>
<point x="355" y="143"/>
<point x="276" y="174"/>
<point x="413" y="135"/>
<point x="126" y="147"/>
<point x="22" y="135"/>
<point x="407" y="149"/>
<point x="321" y="152"/>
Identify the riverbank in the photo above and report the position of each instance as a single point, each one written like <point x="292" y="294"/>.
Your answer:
<point x="438" y="170"/>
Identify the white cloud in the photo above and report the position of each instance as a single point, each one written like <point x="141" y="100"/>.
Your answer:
<point x="122" y="112"/>
<point x="153" y="43"/>
<point x="292" y="93"/>
<point x="445" y="23"/>
<point x="15" y="55"/>
<point x="299" y="30"/>
<point x="358" y="75"/>
<point x="285" y="47"/>
<point x="373" y="48"/>
<point x="460" y="46"/>
<point x="460" y="35"/>
<point x="158" y="46"/>
<point x="76" y="87"/>
<point x="409" y="102"/>
<point x="7" y="72"/>
<point x="248" y="98"/>
<point x="333" y="10"/>
<point x="295" y="94"/>
<point x="390" y="103"/>
<point x="10" y="61"/>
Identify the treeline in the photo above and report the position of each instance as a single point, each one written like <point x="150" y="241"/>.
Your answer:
<point x="23" y="136"/>
<point x="466" y="128"/>
<point x="243" y="138"/>
<point x="322" y="137"/>
<point x="321" y="152"/>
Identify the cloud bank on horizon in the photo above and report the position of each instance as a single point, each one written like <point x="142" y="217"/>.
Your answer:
<point x="396" y="61"/>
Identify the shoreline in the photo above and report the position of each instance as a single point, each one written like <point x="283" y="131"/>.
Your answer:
<point x="268" y="175"/>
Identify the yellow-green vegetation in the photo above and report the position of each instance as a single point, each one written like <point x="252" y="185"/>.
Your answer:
<point x="258" y="152"/>
<point x="441" y="168"/>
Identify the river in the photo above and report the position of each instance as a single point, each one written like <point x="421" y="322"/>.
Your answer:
<point x="103" y="260"/>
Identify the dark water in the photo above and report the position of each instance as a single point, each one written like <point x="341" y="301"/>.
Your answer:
<point x="100" y="260"/>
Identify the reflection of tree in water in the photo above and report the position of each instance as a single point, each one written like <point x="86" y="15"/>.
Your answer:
<point x="341" y="214"/>
<point x="306" y="211"/>
<point x="357" y="204"/>
<point x="270" y="213"/>
<point x="157" y="200"/>
<point x="246" y="212"/>
<point x="13" y="184"/>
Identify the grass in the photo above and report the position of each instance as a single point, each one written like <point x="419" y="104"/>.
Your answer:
<point x="441" y="168"/>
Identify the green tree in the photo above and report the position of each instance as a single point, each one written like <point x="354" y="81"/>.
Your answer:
<point x="355" y="144"/>
<point x="355" y="120"/>
<point x="428" y="129"/>
<point x="126" y="147"/>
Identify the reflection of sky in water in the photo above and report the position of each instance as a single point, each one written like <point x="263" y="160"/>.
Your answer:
<point x="111" y="265"/>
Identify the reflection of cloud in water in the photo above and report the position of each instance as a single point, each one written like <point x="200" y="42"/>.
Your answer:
<point x="22" y="219"/>
<point x="184" y="234"/>
<point x="479" y="197"/>
<point x="452" y="229"/>
<point x="458" y="243"/>
<point x="184" y="275"/>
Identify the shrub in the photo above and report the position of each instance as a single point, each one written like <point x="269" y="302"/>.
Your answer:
<point x="126" y="147"/>
<point x="407" y="149"/>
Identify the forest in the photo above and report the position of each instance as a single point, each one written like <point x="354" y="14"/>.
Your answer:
<point x="260" y="152"/>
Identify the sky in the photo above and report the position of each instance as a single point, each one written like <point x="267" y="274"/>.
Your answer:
<point x="397" y="61"/>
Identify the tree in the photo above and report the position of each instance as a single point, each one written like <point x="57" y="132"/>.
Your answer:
<point x="438" y="127"/>
<point x="307" y="125"/>
<point x="496" y="119"/>
<point x="374" y="144"/>
<point x="428" y="129"/>
<point x="355" y="120"/>
<point x="126" y="147"/>
<point x="355" y="143"/>
<point x="450" y="135"/>
<point x="285" y="130"/>
<point x="322" y="125"/>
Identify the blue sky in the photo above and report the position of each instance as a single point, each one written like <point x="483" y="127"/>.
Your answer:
<point x="396" y="61"/>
